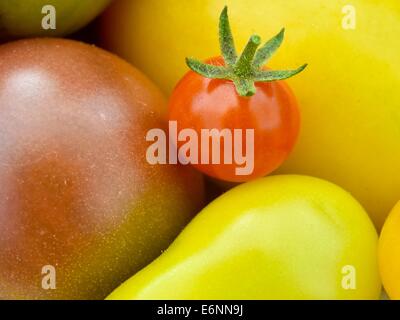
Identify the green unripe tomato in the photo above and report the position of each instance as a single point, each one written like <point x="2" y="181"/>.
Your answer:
<point x="23" y="18"/>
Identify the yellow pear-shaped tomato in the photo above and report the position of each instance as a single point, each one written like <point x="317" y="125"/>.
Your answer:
<point x="348" y="95"/>
<point x="281" y="237"/>
<point x="389" y="254"/>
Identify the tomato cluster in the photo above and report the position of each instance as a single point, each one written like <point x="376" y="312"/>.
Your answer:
<point x="111" y="187"/>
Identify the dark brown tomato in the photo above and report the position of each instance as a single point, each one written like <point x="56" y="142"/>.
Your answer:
<point x="76" y="191"/>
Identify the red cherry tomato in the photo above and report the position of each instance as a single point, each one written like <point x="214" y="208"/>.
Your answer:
<point x="202" y="103"/>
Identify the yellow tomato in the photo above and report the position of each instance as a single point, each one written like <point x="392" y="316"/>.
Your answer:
<point x="348" y="96"/>
<point x="389" y="254"/>
<point x="281" y="237"/>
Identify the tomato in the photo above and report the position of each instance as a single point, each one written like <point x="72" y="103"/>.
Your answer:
<point x="24" y="18"/>
<point x="77" y="193"/>
<point x="202" y="103"/>
<point x="244" y="121"/>
<point x="389" y="253"/>
<point x="281" y="237"/>
<point x="347" y="117"/>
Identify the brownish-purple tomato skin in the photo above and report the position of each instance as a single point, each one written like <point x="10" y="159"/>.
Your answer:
<point x="76" y="191"/>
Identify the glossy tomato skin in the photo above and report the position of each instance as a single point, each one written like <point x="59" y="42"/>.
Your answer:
<point x="280" y="237"/>
<point x="24" y="18"/>
<point x="76" y="190"/>
<point x="201" y="103"/>
<point x="346" y="117"/>
<point x="389" y="253"/>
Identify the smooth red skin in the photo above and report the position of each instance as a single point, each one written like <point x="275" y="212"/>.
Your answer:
<point x="201" y="103"/>
<point x="76" y="191"/>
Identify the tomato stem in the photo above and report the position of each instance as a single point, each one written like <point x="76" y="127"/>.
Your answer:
<point x="248" y="68"/>
<point x="243" y="67"/>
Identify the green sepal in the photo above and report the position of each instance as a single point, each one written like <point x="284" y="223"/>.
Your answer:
<point x="226" y="41"/>
<point x="267" y="51"/>
<point x="274" y="75"/>
<point x="208" y="70"/>
<point x="248" y="68"/>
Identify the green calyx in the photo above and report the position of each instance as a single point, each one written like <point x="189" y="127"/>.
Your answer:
<point x="245" y="70"/>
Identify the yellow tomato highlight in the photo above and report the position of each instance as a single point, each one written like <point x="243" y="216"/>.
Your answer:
<point x="389" y="254"/>
<point x="281" y="237"/>
<point x="348" y="95"/>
